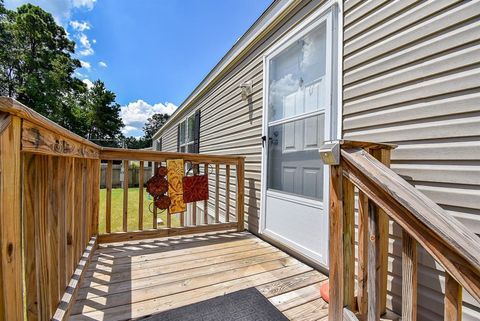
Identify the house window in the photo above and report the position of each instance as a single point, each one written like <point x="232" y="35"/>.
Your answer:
<point x="189" y="134"/>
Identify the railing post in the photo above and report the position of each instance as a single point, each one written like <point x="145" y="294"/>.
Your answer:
<point x="373" y="265"/>
<point x="240" y="193"/>
<point x="382" y="155"/>
<point x="409" y="277"/>
<point x="349" y="243"/>
<point x="453" y="299"/>
<point x="11" y="274"/>
<point x="336" y="276"/>
<point x="362" y="275"/>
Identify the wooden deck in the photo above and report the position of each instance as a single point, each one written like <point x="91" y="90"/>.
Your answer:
<point x="139" y="278"/>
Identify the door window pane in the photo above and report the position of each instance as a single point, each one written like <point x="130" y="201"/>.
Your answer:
<point x="294" y="165"/>
<point x="297" y="77"/>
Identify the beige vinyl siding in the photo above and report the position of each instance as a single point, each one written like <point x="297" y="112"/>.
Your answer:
<point x="412" y="77"/>
<point x="231" y="126"/>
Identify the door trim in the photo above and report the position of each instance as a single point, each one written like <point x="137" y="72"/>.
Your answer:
<point x="331" y="10"/>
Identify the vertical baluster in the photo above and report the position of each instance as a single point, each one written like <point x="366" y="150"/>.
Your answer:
<point x="409" y="278"/>
<point x="349" y="243"/>
<point x="362" y="253"/>
<point x="108" y="205"/>
<point x="155" y="210"/>
<point x="227" y="193"/>
<point x="169" y="218"/>
<point x="217" y="193"/>
<point x="140" y="196"/>
<point x="335" y="307"/>
<point x="182" y="218"/>
<point x="240" y="194"/>
<point x="194" y="205"/>
<point x="205" y="203"/>
<point x="453" y="299"/>
<point x="373" y="264"/>
<point x="383" y="155"/>
<point x="125" y="195"/>
<point x="96" y="197"/>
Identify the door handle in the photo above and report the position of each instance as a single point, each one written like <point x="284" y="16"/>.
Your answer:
<point x="264" y="139"/>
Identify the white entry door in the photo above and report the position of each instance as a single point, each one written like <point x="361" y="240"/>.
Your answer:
<point x="297" y="121"/>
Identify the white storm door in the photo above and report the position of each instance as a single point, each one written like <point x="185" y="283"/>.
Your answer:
<point x="297" y="118"/>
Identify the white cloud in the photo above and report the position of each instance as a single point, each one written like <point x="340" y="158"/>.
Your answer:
<point x="84" y="3"/>
<point x="60" y="9"/>
<point x="88" y="82"/>
<point x="135" y="115"/>
<point x="87" y="49"/>
<point x="85" y="64"/>
<point x="103" y="64"/>
<point x="80" y="26"/>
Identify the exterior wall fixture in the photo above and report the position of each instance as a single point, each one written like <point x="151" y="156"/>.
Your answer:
<point x="330" y="153"/>
<point x="246" y="88"/>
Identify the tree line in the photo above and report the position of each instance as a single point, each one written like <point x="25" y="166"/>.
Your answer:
<point x="37" y="68"/>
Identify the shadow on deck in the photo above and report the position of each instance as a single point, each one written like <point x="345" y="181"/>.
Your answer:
<point x="136" y="279"/>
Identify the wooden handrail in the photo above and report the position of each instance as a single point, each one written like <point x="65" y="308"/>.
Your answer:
<point x="189" y="221"/>
<point x="49" y="208"/>
<point x="383" y="192"/>
<point x="365" y="171"/>
<point x="13" y="107"/>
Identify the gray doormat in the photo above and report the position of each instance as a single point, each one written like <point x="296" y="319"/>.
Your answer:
<point x="244" y="305"/>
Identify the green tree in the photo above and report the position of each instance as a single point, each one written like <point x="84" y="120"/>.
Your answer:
<point x="37" y="68"/>
<point x="36" y="59"/>
<point x="152" y="125"/>
<point x="136" y="143"/>
<point x="102" y="115"/>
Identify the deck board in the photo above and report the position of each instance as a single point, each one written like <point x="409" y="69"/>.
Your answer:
<point x="139" y="278"/>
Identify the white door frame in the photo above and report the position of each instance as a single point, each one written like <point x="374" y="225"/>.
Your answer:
<point x="331" y="13"/>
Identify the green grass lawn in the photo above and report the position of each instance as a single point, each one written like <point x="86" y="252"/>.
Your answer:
<point x="117" y="210"/>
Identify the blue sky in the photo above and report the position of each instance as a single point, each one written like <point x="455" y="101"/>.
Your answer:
<point x="151" y="53"/>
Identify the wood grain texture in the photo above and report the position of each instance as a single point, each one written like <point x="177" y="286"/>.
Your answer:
<point x="70" y="213"/>
<point x="10" y="221"/>
<point x="373" y="266"/>
<point x="41" y="238"/>
<point x="227" y="193"/>
<point x="383" y="156"/>
<point x="335" y="308"/>
<point x="64" y="307"/>
<point x="163" y="232"/>
<point x="201" y="272"/>
<point x="125" y="196"/>
<point x="36" y="139"/>
<point x="95" y="196"/>
<point x="217" y="193"/>
<point x="455" y="247"/>
<point x="205" y="202"/>
<point x="240" y="202"/>
<point x="409" y="278"/>
<point x="348" y="244"/>
<point x="141" y="177"/>
<point x="154" y="156"/>
<point x="108" y="202"/>
<point x="453" y="299"/>
<point x="29" y="188"/>
<point x="362" y="275"/>
<point x="14" y="107"/>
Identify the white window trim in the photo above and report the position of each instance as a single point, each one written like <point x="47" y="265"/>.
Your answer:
<point x="185" y="120"/>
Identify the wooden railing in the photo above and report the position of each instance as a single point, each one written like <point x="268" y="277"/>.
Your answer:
<point x="383" y="195"/>
<point x="202" y="216"/>
<point x="49" y="209"/>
